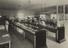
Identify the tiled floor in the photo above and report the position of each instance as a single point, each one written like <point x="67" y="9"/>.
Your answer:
<point x="51" y="43"/>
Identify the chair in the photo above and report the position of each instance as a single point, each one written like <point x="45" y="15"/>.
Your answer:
<point x="4" y="36"/>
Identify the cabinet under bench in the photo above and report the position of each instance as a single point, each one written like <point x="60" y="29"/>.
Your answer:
<point x="59" y="32"/>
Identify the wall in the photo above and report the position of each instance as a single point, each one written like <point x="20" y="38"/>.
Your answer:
<point x="24" y="13"/>
<point x="66" y="16"/>
<point x="18" y="13"/>
<point x="8" y="13"/>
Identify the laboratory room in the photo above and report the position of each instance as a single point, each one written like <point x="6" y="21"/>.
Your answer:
<point x="33" y="24"/>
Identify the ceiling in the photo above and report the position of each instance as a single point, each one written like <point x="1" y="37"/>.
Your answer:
<point x="30" y="4"/>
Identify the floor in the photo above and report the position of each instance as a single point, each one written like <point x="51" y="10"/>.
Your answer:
<point x="19" y="42"/>
<point x="51" y="41"/>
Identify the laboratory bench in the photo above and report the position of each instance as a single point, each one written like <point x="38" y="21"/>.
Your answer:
<point x="36" y="33"/>
<point x="59" y="31"/>
<point x="35" y="36"/>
